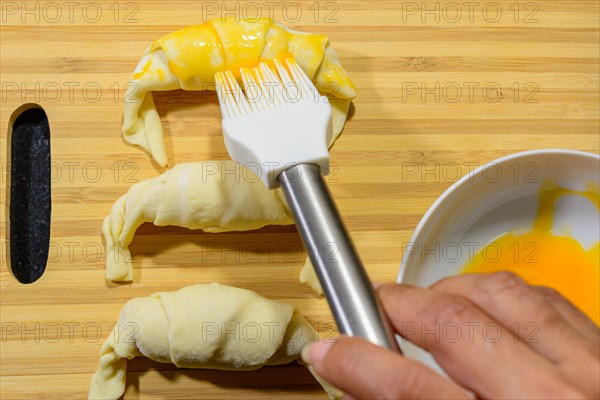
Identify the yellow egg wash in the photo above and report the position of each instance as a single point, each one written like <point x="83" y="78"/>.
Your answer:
<point x="218" y="45"/>
<point x="542" y="258"/>
<point x="148" y="70"/>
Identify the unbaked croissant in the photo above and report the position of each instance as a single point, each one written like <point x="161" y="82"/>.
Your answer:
<point x="188" y="59"/>
<point x="202" y="326"/>
<point x="215" y="196"/>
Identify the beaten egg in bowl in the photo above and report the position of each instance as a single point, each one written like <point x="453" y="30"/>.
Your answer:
<point x="542" y="257"/>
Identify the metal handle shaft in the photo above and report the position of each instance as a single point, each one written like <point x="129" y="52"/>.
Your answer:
<point x="338" y="267"/>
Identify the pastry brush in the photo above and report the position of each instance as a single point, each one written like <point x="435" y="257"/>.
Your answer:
<point x="280" y="126"/>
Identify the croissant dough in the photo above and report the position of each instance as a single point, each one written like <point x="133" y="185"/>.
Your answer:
<point x="309" y="277"/>
<point x="215" y="196"/>
<point x="188" y="59"/>
<point x="202" y="326"/>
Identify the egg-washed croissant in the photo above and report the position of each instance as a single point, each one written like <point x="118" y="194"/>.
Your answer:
<point x="188" y="59"/>
<point x="203" y="326"/>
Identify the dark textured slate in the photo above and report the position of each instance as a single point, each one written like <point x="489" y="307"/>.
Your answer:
<point x="30" y="201"/>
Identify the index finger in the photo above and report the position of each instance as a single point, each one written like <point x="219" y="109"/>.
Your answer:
<point x="525" y="309"/>
<point x="470" y="345"/>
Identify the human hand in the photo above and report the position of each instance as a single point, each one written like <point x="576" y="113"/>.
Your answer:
<point x="557" y="357"/>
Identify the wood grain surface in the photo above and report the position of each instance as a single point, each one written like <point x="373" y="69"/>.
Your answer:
<point x="443" y="86"/>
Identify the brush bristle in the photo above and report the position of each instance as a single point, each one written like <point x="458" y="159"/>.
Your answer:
<point x="264" y="88"/>
<point x="231" y="97"/>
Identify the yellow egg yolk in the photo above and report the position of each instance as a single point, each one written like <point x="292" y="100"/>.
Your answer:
<point x="543" y="258"/>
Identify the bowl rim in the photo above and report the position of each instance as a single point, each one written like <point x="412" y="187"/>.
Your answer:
<point x="461" y="182"/>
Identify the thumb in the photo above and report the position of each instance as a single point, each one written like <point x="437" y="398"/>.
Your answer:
<point x="364" y="370"/>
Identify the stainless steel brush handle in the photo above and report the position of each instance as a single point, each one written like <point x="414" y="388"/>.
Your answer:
<point x="339" y="269"/>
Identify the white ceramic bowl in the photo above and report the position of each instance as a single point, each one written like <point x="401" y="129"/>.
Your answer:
<point x="498" y="197"/>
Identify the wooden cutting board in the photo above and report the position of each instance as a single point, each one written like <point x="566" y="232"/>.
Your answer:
<point x="443" y="86"/>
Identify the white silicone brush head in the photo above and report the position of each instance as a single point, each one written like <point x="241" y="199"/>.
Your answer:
<point x="278" y="121"/>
